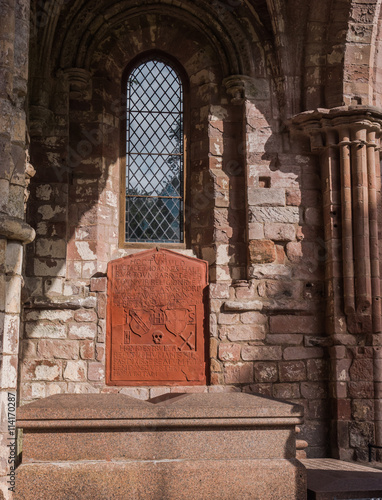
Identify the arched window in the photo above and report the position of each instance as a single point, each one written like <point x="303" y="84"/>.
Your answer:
<point x="154" y="196"/>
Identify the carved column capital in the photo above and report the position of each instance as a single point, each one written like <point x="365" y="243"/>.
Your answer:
<point x="354" y="122"/>
<point x="240" y="88"/>
<point x="79" y="80"/>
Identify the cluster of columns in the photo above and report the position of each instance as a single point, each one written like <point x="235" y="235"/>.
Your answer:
<point x="348" y="140"/>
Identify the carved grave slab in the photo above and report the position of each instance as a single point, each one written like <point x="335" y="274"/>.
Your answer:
<point x="156" y="316"/>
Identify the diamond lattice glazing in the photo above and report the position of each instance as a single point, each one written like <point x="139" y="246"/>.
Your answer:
<point x="154" y="154"/>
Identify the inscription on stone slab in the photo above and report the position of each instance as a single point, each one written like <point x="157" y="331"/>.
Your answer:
<point x="156" y="320"/>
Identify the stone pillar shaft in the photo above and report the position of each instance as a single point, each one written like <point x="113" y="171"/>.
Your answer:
<point x="14" y="232"/>
<point x="347" y="226"/>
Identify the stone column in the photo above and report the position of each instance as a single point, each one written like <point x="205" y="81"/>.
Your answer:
<point x="347" y="140"/>
<point x="14" y="232"/>
<point x="242" y="90"/>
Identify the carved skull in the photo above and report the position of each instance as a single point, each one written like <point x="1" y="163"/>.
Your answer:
<point x="157" y="337"/>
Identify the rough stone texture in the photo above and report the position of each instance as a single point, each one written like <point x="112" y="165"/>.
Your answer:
<point x="15" y="174"/>
<point x="256" y="189"/>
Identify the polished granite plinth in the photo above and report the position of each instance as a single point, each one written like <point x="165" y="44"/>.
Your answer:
<point x="189" y="446"/>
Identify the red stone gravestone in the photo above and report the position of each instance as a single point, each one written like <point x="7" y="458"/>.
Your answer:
<point x="156" y="320"/>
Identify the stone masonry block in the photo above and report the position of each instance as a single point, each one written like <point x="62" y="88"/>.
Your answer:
<point x="318" y="369"/>
<point x="36" y="330"/>
<point x="280" y="232"/>
<point x="8" y="373"/>
<point x="288" y="215"/>
<point x="85" y="315"/>
<point x="58" y="349"/>
<point x="56" y="249"/>
<point x="266" y="197"/>
<point x="261" y="353"/>
<point x="96" y="372"/>
<point x="240" y="373"/>
<point x="256" y="231"/>
<point x="87" y="349"/>
<point x="265" y="372"/>
<point x="296" y="324"/>
<point x="285" y="338"/>
<point x="10" y="332"/>
<point x="228" y="319"/>
<point x="229" y="352"/>
<point x="75" y="371"/>
<point x="98" y="284"/>
<point x="303" y="352"/>
<point x="286" y="391"/>
<point x="47" y="370"/>
<point x="313" y="390"/>
<point x="262" y="251"/>
<point x="361" y="369"/>
<point x="241" y="333"/>
<point x="219" y="290"/>
<point x="82" y="331"/>
<point x="292" y="371"/>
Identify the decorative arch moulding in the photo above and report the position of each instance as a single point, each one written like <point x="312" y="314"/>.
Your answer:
<point x="223" y="28"/>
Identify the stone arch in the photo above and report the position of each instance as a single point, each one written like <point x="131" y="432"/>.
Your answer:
<point x="211" y="128"/>
<point x="83" y="52"/>
<point x="71" y="32"/>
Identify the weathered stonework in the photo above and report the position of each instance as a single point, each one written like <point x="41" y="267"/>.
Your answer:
<point x="286" y="211"/>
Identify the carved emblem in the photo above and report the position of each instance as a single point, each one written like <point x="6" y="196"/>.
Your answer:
<point x="187" y="342"/>
<point x="140" y="322"/>
<point x="176" y="320"/>
<point x="157" y="337"/>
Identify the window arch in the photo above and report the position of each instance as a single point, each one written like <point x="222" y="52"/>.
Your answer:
<point x="154" y="155"/>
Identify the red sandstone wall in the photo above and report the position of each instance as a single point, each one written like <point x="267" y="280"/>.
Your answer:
<point x="255" y="205"/>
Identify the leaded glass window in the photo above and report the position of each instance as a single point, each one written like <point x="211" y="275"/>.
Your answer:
<point x="154" y="154"/>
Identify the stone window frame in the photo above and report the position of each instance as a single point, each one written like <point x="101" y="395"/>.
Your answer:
<point x="181" y="72"/>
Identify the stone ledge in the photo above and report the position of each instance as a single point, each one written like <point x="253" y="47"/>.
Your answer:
<point x="290" y="306"/>
<point x="175" y="406"/>
<point x="61" y="302"/>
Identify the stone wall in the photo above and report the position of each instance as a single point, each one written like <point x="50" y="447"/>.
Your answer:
<point x="263" y="204"/>
<point x="15" y="173"/>
<point x="252" y="210"/>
